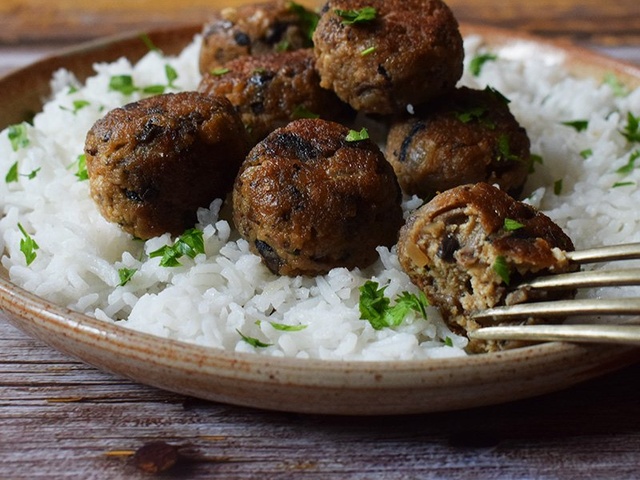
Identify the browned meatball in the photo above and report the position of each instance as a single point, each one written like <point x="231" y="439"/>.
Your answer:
<point x="458" y="251"/>
<point x="308" y="200"/>
<point x="152" y="163"/>
<point x="271" y="90"/>
<point x="255" y="29"/>
<point x="465" y="137"/>
<point x="409" y="53"/>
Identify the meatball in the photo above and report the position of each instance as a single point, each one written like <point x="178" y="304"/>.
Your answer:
<point x="271" y="90"/>
<point x="307" y="199"/>
<point x="468" y="136"/>
<point x="461" y="253"/>
<point x="152" y="163"/>
<point x="255" y="29"/>
<point x="410" y="52"/>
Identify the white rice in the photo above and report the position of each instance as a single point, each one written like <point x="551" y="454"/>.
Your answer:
<point x="213" y="298"/>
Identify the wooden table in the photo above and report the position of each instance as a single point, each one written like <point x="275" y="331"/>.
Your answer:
<point x="62" y="419"/>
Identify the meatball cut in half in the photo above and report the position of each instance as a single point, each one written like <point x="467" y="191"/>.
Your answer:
<point x="468" y="136"/>
<point x="382" y="55"/>
<point x="152" y="163"/>
<point x="469" y="248"/>
<point x="307" y="199"/>
<point x="255" y="29"/>
<point x="271" y="90"/>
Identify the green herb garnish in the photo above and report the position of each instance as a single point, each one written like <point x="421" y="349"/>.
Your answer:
<point x="125" y="275"/>
<point x="362" y="15"/>
<point x="632" y="130"/>
<point x="254" y="342"/>
<point x="473" y="113"/>
<point x="222" y="71"/>
<point x="477" y="62"/>
<point x="623" y="184"/>
<point x="618" y="88"/>
<point x="577" y="125"/>
<point x="533" y="160"/>
<point x="148" y="43"/>
<point x="448" y="342"/>
<point x="631" y="164"/>
<point x="501" y="267"/>
<point x="504" y="149"/>
<point x="367" y="51"/>
<point x="285" y="328"/>
<point x="586" y="153"/>
<point x="190" y="243"/>
<point x="511" y="225"/>
<point x="18" y="136"/>
<point x="28" y="246"/>
<point x="377" y="309"/>
<point x="81" y="167"/>
<point x="77" y="106"/>
<point x="308" y="19"/>
<point x="12" y="174"/>
<point x="356" y="136"/>
<point x="123" y="84"/>
<point x="300" y="111"/>
<point x="557" y="186"/>
<point x="497" y="94"/>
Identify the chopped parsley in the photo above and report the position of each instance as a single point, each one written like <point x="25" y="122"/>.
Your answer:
<point x="504" y="149"/>
<point x="77" y="106"/>
<point x="501" y="267"/>
<point x="533" y="160"/>
<point x="477" y="62"/>
<point x="300" y="111"/>
<point x="511" y="225"/>
<point x="448" y="342"/>
<point x="473" y="113"/>
<point x="148" y="43"/>
<point x="12" y="174"/>
<point x="81" y="167"/>
<point x="18" y="136"/>
<point x="283" y="46"/>
<point x="285" y="328"/>
<point x="577" y="125"/>
<point x="586" y="153"/>
<point x="623" y="184"/>
<point x="125" y="275"/>
<point x="632" y="129"/>
<point x="357" y="136"/>
<point x="618" y="88"/>
<point x="171" y="74"/>
<point x="123" y="84"/>
<point x="308" y="19"/>
<point x="497" y="94"/>
<point x="557" y="186"/>
<point x="254" y="342"/>
<point x="190" y="243"/>
<point x="631" y="164"/>
<point x="362" y="15"/>
<point x="367" y="51"/>
<point x="377" y="309"/>
<point x="219" y="71"/>
<point x="28" y="246"/>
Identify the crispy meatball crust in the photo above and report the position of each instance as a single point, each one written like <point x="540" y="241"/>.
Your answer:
<point x="271" y="90"/>
<point x="449" y="248"/>
<point x="152" y="163"/>
<point x="307" y="200"/>
<point x="417" y="53"/>
<point x="253" y="29"/>
<point x="468" y="136"/>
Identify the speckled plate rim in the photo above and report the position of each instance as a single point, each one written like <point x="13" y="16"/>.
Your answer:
<point x="293" y="385"/>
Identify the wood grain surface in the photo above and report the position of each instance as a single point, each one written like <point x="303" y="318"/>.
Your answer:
<point x="62" y="419"/>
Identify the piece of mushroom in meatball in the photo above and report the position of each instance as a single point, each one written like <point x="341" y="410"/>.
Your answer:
<point x="255" y="29"/>
<point x="270" y="90"/>
<point x="470" y="247"/>
<point x="152" y="163"/>
<point x="309" y="199"/>
<point x="468" y="136"/>
<point x="405" y="52"/>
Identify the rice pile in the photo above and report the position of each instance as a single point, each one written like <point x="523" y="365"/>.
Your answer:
<point x="226" y="298"/>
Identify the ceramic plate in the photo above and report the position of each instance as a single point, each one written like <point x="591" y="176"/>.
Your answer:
<point x="314" y="386"/>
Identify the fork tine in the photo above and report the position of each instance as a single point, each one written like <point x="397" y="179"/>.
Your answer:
<point x="561" y="308"/>
<point x="594" y="278"/>
<point x="622" y="334"/>
<point x="625" y="251"/>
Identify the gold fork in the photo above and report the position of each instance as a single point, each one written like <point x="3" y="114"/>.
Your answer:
<point x="626" y="334"/>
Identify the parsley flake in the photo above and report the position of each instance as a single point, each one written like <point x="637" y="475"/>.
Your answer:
<point x="533" y="161"/>
<point x="448" y="342"/>
<point x="618" y="88"/>
<point x="307" y="18"/>
<point x="501" y="267"/>
<point x="557" y="186"/>
<point x="28" y="246"/>
<point x="300" y="111"/>
<point x="81" y="167"/>
<point x="367" y="51"/>
<point x="77" y="106"/>
<point x="623" y="184"/>
<point x="18" y="136"/>
<point x="357" y="136"/>
<point x="12" y="174"/>
<point x="190" y="243"/>
<point x="631" y="164"/>
<point x="477" y="62"/>
<point x="362" y="15"/>
<point x="254" y="342"/>
<point x="220" y="71"/>
<point x="577" y="125"/>
<point x="586" y="153"/>
<point x="125" y="275"/>
<point x="285" y="328"/>
<point x="123" y="84"/>
<point x="511" y="225"/>
<point x="504" y="149"/>
<point x="632" y="130"/>
<point x="377" y="309"/>
<point x="148" y="43"/>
